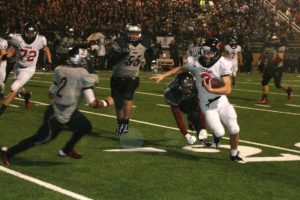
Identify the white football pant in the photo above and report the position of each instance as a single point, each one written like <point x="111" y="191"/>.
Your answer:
<point x="221" y="111"/>
<point x="21" y="77"/>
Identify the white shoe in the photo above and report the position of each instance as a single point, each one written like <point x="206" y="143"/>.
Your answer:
<point x="190" y="138"/>
<point x="202" y="134"/>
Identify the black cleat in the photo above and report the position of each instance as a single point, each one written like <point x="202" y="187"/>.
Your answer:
<point x="237" y="159"/>
<point x="216" y="142"/>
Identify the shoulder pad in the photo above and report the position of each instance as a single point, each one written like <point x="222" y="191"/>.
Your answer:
<point x="146" y="42"/>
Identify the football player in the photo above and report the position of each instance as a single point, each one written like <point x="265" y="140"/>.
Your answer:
<point x="213" y="100"/>
<point x="67" y="42"/>
<point x="3" y="63"/>
<point x="70" y="83"/>
<point x="126" y="58"/>
<point x="235" y="55"/>
<point x="181" y="95"/>
<point x="272" y="59"/>
<point x="26" y="47"/>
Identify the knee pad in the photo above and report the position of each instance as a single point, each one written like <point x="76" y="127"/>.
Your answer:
<point x="234" y="129"/>
<point x="15" y="86"/>
<point x="219" y="133"/>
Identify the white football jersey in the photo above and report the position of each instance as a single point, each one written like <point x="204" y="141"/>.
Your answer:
<point x="221" y="68"/>
<point x="233" y="52"/>
<point x="27" y="54"/>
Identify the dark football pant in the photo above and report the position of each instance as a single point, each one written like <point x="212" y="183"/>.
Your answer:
<point x="270" y="73"/>
<point x="123" y="89"/>
<point x="50" y="128"/>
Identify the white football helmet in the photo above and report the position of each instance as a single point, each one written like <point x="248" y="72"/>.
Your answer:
<point x="78" y="56"/>
<point x="133" y="32"/>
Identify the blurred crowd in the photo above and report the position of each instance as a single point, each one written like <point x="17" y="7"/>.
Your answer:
<point x="248" y="20"/>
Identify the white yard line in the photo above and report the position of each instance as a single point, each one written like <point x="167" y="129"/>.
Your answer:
<point x="13" y="105"/>
<point x="44" y="184"/>
<point x="78" y="196"/>
<point x="293" y="105"/>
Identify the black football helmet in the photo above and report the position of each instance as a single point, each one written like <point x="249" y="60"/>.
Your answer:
<point x="186" y="82"/>
<point x="133" y="32"/>
<point x="29" y="33"/>
<point x="210" y="52"/>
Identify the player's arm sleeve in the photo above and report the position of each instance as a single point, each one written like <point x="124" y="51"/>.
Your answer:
<point x="119" y="51"/>
<point x="179" y="119"/>
<point x="89" y="95"/>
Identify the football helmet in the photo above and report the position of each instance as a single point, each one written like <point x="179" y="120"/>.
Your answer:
<point x="78" y="56"/>
<point x="70" y="31"/>
<point x="186" y="82"/>
<point x="29" y="33"/>
<point x="273" y="39"/>
<point x="133" y="32"/>
<point x="233" y="42"/>
<point x="210" y="52"/>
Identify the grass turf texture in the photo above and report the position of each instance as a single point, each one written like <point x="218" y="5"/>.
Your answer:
<point x="176" y="174"/>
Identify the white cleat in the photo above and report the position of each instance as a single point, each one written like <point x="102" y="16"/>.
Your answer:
<point x="190" y="138"/>
<point x="202" y="134"/>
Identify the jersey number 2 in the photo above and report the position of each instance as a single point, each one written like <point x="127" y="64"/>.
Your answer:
<point x="63" y="81"/>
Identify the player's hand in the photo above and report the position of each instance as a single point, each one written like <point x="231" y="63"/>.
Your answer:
<point x="157" y="78"/>
<point x="207" y="84"/>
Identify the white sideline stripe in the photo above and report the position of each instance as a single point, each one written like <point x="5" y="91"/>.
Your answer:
<point x="163" y="105"/>
<point x="267" y="106"/>
<point x="293" y="105"/>
<point x="44" y="184"/>
<point x="272" y="111"/>
<point x="13" y="105"/>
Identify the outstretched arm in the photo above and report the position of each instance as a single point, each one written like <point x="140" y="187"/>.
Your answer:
<point x="160" y="77"/>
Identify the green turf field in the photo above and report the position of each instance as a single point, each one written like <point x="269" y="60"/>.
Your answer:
<point x="268" y="139"/>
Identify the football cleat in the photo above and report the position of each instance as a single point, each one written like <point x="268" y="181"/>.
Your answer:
<point x="237" y="159"/>
<point x="27" y="97"/>
<point x="5" y="157"/>
<point x="121" y="129"/>
<point x="216" y="142"/>
<point x="263" y="101"/>
<point x="190" y="138"/>
<point x="72" y="154"/>
<point x="289" y="93"/>
<point x="202" y="135"/>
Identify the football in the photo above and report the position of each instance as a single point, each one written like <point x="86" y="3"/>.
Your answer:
<point x="215" y="83"/>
